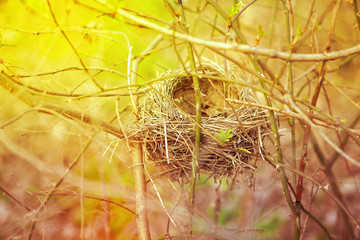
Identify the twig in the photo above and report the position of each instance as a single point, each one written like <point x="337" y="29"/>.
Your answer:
<point x="13" y="198"/>
<point x="272" y="119"/>
<point x="72" y="47"/>
<point x="333" y="181"/>
<point x="325" y="189"/>
<point x="8" y="84"/>
<point x="335" y="156"/>
<point x="290" y="35"/>
<point x="196" y="150"/>
<point x="56" y="186"/>
<point x="137" y="153"/>
<point x="317" y="222"/>
<point x="357" y="14"/>
<point x="314" y="99"/>
<point x="92" y="197"/>
<point x="241" y="47"/>
<point x="312" y="125"/>
<point x="160" y="199"/>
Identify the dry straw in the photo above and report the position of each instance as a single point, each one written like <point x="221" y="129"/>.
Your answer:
<point x="231" y="133"/>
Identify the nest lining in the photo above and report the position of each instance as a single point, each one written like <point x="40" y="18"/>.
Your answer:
<point x="167" y="124"/>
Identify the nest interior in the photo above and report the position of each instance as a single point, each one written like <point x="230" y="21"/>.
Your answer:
<point x="167" y="122"/>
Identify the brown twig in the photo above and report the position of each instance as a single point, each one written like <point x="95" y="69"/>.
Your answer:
<point x="13" y="198"/>
<point x="314" y="99"/>
<point x="48" y="196"/>
<point x="137" y="152"/>
<point x="8" y="84"/>
<point x="356" y="13"/>
<point x="247" y="49"/>
<point x="72" y="47"/>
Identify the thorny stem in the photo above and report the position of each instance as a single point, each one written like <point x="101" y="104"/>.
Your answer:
<point x="333" y="185"/>
<point x="314" y="99"/>
<point x="335" y="156"/>
<point x="272" y="119"/>
<point x="290" y="35"/>
<point x="318" y="222"/>
<point x="323" y="135"/>
<point x="195" y="158"/>
<point x="325" y="189"/>
<point x="327" y="164"/>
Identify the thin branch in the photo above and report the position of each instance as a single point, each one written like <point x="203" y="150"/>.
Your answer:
<point x="48" y="196"/>
<point x="290" y="37"/>
<point x="314" y="100"/>
<point x="72" y="47"/>
<point x="13" y="198"/>
<point x="195" y="158"/>
<point x="137" y="150"/>
<point x="8" y="84"/>
<point x="247" y="49"/>
<point x="333" y="145"/>
<point x="325" y="189"/>
<point x="317" y="222"/>
<point x="91" y="197"/>
<point x="356" y="13"/>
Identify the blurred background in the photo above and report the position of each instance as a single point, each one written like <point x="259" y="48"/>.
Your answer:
<point x="54" y="62"/>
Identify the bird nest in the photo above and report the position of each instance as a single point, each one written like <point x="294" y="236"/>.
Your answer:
<point x="231" y="131"/>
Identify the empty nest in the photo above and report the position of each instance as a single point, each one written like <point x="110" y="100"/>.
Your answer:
<point x="167" y="124"/>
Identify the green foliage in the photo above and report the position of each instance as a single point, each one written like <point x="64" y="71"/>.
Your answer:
<point x="235" y="9"/>
<point x="260" y="34"/>
<point x="224" y="136"/>
<point x="299" y="33"/>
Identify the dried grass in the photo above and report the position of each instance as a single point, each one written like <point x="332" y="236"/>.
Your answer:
<point x="167" y="124"/>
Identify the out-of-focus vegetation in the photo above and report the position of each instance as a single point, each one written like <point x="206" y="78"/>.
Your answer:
<point x="65" y="175"/>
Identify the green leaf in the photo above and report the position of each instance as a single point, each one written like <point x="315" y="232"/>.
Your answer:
<point x="299" y="33"/>
<point x="235" y="9"/>
<point x="224" y="136"/>
<point x="260" y="32"/>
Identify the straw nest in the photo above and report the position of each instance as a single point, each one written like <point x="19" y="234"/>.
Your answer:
<point x="167" y="122"/>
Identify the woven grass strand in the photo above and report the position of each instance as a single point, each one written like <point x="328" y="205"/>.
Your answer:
<point x="167" y="123"/>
